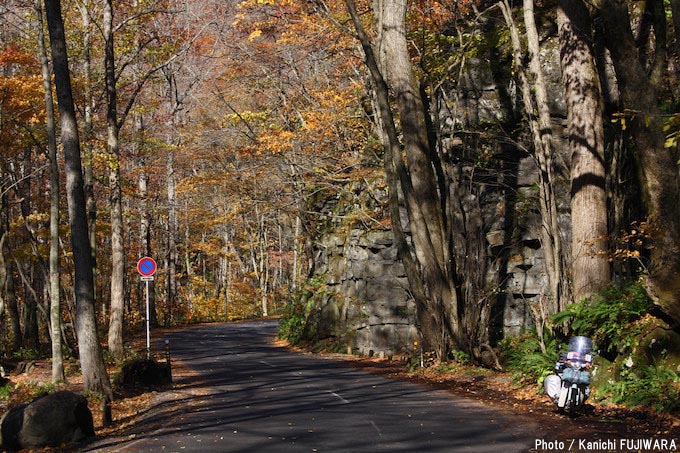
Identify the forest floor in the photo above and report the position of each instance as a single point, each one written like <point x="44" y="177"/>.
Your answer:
<point x="494" y="389"/>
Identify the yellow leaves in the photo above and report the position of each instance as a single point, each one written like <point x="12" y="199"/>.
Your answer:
<point x="622" y="118"/>
<point x="671" y="128"/>
<point x="255" y="3"/>
<point x="254" y="35"/>
<point x="249" y="117"/>
<point x="630" y="244"/>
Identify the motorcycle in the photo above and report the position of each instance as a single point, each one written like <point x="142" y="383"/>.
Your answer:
<point x="569" y="387"/>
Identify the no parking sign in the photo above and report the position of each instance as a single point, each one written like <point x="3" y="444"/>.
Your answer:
<point x="146" y="267"/>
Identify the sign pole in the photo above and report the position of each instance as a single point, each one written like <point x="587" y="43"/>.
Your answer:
<point x="146" y="268"/>
<point x="148" y="332"/>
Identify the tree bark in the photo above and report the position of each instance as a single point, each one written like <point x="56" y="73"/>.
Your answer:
<point x="590" y="265"/>
<point x="145" y="227"/>
<point x="657" y="166"/>
<point x="534" y="97"/>
<point x="29" y="313"/>
<point x="55" y="272"/>
<point x="88" y="177"/>
<point x="173" y="229"/>
<point x="428" y="263"/>
<point x="115" y="194"/>
<point x="95" y="377"/>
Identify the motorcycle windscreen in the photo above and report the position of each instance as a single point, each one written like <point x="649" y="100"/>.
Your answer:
<point x="580" y="350"/>
<point x="582" y="345"/>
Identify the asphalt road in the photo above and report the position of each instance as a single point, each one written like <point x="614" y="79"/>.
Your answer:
<point x="256" y="397"/>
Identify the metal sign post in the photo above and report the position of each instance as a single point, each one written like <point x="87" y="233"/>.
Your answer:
<point x="147" y="267"/>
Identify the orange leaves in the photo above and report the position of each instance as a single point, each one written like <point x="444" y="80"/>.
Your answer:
<point x="12" y="57"/>
<point x="277" y="141"/>
<point x="21" y="97"/>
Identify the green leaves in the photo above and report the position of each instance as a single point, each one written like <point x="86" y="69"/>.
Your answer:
<point x="609" y="318"/>
<point x="523" y="355"/>
<point x="651" y="386"/>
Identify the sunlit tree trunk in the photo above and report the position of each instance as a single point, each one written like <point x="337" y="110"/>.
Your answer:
<point x="428" y="264"/>
<point x="115" y="194"/>
<point x="173" y="228"/>
<point x="145" y="230"/>
<point x="657" y="166"/>
<point x="188" y="266"/>
<point x="590" y="264"/>
<point x="95" y="377"/>
<point x="54" y="273"/>
<point x="534" y="96"/>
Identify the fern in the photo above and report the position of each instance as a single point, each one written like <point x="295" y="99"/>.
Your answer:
<point x="609" y="317"/>
<point x="523" y="356"/>
<point x="650" y="386"/>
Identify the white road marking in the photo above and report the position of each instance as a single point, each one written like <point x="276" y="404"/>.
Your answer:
<point x="344" y="401"/>
<point x="376" y="428"/>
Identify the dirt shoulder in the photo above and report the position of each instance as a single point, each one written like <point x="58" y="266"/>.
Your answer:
<point x="498" y="389"/>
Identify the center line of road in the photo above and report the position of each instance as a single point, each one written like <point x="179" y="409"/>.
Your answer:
<point x="376" y="428"/>
<point x="344" y="401"/>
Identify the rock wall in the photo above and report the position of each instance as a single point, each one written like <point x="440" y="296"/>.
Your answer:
<point x="370" y="307"/>
<point x="366" y="302"/>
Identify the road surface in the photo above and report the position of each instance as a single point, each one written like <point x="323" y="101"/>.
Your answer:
<point x="252" y="396"/>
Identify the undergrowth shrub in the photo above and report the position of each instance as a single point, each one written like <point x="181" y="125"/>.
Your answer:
<point x="524" y="357"/>
<point x="651" y="386"/>
<point x="295" y="313"/>
<point x="27" y="354"/>
<point x="292" y="324"/>
<point x="6" y="391"/>
<point x="609" y="317"/>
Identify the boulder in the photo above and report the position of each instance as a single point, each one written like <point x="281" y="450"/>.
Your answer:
<point x="48" y="421"/>
<point x="144" y="373"/>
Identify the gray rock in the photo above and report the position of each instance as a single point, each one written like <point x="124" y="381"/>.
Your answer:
<point x="48" y="421"/>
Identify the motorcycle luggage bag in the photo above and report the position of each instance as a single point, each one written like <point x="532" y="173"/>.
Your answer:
<point x="576" y="377"/>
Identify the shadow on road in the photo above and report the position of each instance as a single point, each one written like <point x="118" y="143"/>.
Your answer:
<point x="250" y="395"/>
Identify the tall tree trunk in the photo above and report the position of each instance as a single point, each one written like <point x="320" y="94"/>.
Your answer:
<point x="171" y="257"/>
<point x="433" y="289"/>
<point x="115" y="194"/>
<point x="534" y="96"/>
<point x="95" y="377"/>
<point x="3" y="273"/>
<point x="657" y="166"/>
<point x="55" y="273"/>
<point x="88" y="177"/>
<point x="27" y="269"/>
<point x="145" y="226"/>
<point x="3" y="267"/>
<point x="590" y="268"/>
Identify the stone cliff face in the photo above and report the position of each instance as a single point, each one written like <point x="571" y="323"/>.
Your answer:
<point x="366" y="303"/>
<point x="371" y="309"/>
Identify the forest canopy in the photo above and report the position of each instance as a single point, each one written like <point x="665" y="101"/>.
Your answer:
<point x="211" y="134"/>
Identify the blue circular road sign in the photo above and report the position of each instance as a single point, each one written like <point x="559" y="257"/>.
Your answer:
<point x="146" y="266"/>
